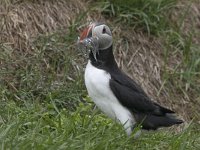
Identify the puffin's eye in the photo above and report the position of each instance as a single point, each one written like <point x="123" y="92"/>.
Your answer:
<point x="104" y="30"/>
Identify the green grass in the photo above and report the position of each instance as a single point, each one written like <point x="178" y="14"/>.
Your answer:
<point x="43" y="101"/>
<point x="150" y="16"/>
<point x="184" y="76"/>
<point x="45" y="126"/>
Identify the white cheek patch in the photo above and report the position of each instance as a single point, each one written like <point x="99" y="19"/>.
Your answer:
<point x="104" y="39"/>
<point x="105" y="43"/>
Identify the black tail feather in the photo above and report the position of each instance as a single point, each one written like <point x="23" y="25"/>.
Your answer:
<point x="164" y="110"/>
<point x="152" y="122"/>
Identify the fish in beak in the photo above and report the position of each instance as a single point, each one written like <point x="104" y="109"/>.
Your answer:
<point x="87" y="43"/>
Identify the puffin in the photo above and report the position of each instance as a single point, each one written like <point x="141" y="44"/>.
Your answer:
<point x="115" y="93"/>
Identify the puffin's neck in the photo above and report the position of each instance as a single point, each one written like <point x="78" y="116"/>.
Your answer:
<point x="105" y="59"/>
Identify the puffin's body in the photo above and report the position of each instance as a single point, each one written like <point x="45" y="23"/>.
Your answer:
<point x="97" y="82"/>
<point x="114" y="92"/>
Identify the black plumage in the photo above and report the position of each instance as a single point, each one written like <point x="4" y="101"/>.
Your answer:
<point x="116" y="94"/>
<point x="146" y="112"/>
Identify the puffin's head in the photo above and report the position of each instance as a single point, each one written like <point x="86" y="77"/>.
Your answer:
<point x="96" y="37"/>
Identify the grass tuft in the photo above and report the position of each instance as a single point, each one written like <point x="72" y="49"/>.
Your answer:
<point x="150" y="16"/>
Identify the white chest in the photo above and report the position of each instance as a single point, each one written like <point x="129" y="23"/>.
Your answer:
<point x="97" y="84"/>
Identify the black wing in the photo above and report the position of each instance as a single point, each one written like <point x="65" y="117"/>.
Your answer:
<point x="133" y="97"/>
<point x="150" y="114"/>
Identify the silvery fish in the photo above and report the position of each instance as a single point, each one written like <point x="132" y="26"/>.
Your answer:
<point x="89" y="45"/>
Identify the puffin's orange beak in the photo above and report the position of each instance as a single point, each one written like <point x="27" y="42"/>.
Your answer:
<point x="86" y="32"/>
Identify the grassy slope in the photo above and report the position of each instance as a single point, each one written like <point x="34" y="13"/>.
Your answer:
<point x="45" y="126"/>
<point x="41" y="105"/>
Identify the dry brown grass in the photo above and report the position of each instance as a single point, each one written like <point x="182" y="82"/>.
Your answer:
<point x="140" y="55"/>
<point x="23" y="20"/>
